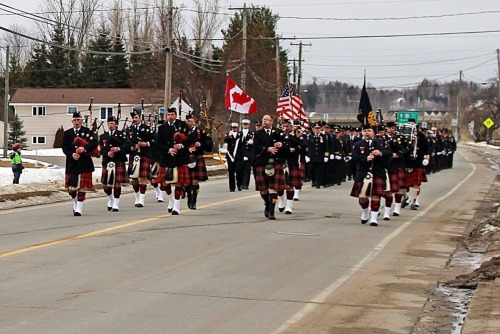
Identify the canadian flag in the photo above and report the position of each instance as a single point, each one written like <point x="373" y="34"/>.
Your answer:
<point x="237" y="100"/>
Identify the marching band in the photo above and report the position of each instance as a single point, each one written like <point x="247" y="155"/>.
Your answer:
<point x="388" y="163"/>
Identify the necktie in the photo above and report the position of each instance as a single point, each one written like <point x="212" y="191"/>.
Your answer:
<point x="268" y="132"/>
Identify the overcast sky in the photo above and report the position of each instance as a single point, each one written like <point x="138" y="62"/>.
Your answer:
<point x="389" y="62"/>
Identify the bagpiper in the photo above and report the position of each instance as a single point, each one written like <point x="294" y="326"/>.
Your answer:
<point x="113" y="145"/>
<point x="370" y="180"/>
<point x="140" y="138"/>
<point x="79" y="144"/>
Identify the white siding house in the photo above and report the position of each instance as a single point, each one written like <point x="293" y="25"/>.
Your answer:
<point x="43" y="110"/>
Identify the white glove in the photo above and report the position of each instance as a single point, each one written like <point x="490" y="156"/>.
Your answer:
<point x="338" y="157"/>
<point x="325" y="159"/>
<point x="331" y="156"/>
<point x="245" y="159"/>
<point x="307" y="159"/>
<point x="347" y="159"/>
<point x="250" y="142"/>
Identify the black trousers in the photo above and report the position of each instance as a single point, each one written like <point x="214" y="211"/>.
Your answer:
<point x="235" y="170"/>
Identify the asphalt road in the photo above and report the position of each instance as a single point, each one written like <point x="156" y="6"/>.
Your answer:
<point x="223" y="268"/>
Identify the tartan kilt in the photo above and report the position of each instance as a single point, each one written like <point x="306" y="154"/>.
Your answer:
<point x="144" y="169"/>
<point x="401" y="174"/>
<point x="199" y="172"/>
<point x="294" y="177"/>
<point x="415" y="177"/>
<point x="302" y="170"/>
<point x="378" y="187"/>
<point x="121" y="175"/>
<point x="276" y="182"/>
<point x="85" y="180"/>
<point x="182" y="175"/>
<point x="394" y="181"/>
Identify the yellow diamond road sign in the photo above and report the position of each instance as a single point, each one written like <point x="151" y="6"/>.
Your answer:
<point x="488" y="123"/>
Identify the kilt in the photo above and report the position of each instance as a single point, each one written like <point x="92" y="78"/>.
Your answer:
<point x="295" y="177"/>
<point x="121" y="175"/>
<point x="199" y="172"/>
<point x="302" y="170"/>
<point x="394" y="180"/>
<point x="378" y="187"/>
<point x="145" y="168"/>
<point x="182" y="175"/>
<point x="85" y="180"/>
<point x="415" y="177"/>
<point x="401" y="174"/>
<point x="276" y="182"/>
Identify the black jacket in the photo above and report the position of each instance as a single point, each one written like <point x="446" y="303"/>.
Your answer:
<point x="166" y="140"/>
<point x="263" y="141"/>
<point x="85" y="163"/>
<point x="139" y="133"/>
<point x="360" y="154"/>
<point x="118" y="139"/>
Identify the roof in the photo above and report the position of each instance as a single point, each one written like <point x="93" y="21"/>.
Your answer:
<point x="70" y="96"/>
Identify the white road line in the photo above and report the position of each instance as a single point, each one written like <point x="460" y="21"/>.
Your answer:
<point x="322" y="296"/>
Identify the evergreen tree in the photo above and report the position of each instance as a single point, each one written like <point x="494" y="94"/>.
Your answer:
<point x="37" y="68"/>
<point x="58" y="138"/>
<point x="57" y="60"/>
<point x="119" y="65"/>
<point x="73" y="67"/>
<point x="96" y="68"/>
<point x="16" y="133"/>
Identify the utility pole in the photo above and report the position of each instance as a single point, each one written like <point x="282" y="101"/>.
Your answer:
<point x="278" y="88"/>
<point x="300" y="64"/>
<point x="459" y="99"/>
<point x="6" y="106"/>
<point x="168" y="58"/>
<point x="294" y="72"/>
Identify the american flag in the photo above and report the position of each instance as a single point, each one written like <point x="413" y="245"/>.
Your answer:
<point x="290" y="106"/>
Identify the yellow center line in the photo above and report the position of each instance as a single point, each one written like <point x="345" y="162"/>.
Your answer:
<point x="109" y="229"/>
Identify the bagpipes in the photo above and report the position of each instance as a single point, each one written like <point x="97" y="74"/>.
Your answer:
<point x="81" y="142"/>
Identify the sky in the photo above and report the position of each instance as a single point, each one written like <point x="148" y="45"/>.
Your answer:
<point x="342" y="47"/>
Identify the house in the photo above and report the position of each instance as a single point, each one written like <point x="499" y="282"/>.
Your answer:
<point x="44" y="110"/>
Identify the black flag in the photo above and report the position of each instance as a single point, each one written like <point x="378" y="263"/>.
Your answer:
<point x="365" y="111"/>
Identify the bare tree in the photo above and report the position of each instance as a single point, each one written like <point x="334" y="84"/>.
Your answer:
<point x="75" y="16"/>
<point x="20" y="47"/>
<point x="206" y="24"/>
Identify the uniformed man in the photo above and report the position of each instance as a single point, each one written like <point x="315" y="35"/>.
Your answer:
<point x="370" y="180"/>
<point x="270" y="155"/>
<point x="113" y="145"/>
<point x="234" y="157"/>
<point x="79" y="144"/>
<point x="174" y="140"/>
<point x="316" y="150"/>
<point x="140" y="138"/>
<point x="247" y="136"/>
<point x="202" y="142"/>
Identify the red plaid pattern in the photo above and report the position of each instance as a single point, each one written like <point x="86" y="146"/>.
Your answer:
<point x="276" y="182"/>
<point x="145" y="168"/>
<point x="393" y="179"/>
<point x="85" y="180"/>
<point x="302" y="170"/>
<point x="199" y="172"/>
<point x="378" y="187"/>
<point x="295" y="177"/>
<point x="415" y="177"/>
<point x="121" y="175"/>
<point x="401" y="174"/>
<point x="182" y="175"/>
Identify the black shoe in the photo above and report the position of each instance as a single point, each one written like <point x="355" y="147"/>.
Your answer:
<point x="295" y="199"/>
<point x="169" y="210"/>
<point x="139" y="205"/>
<point x="281" y="209"/>
<point x="395" y="214"/>
<point x="239" y="189"/>
<point x="288" y="212"/>
<point x="404" y="204"/>
<point x="109" y="208"/>
<point x="78" y="214"/>
<point x="318" y="187"/>
<point x="373" y="224"/>
<point x="160" y="200"/>
<point x="413" y="207"/>
<point x="363" y="221"/>
<point x="115" y="210"/>
<point x="272" y="218"/>
<point x="387" y="218"/>
<point x="231" y="190"/>
<point x="175" y="213"/>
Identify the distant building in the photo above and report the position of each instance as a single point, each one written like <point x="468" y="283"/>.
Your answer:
<point x="44" y="110"/>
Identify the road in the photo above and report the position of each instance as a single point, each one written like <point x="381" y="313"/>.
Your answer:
<point x="224" y="268"/>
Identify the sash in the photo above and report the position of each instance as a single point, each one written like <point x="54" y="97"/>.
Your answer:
<point x="233" y="156"/>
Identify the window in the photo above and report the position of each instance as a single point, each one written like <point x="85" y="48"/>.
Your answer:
<point x="106" y="112"/>
<point x="38" y="111"/>
<point x="72" y="110"/>
<point x="38" y="140"/>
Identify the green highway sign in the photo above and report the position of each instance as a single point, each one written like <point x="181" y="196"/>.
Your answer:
<point x="404" y="116"/>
